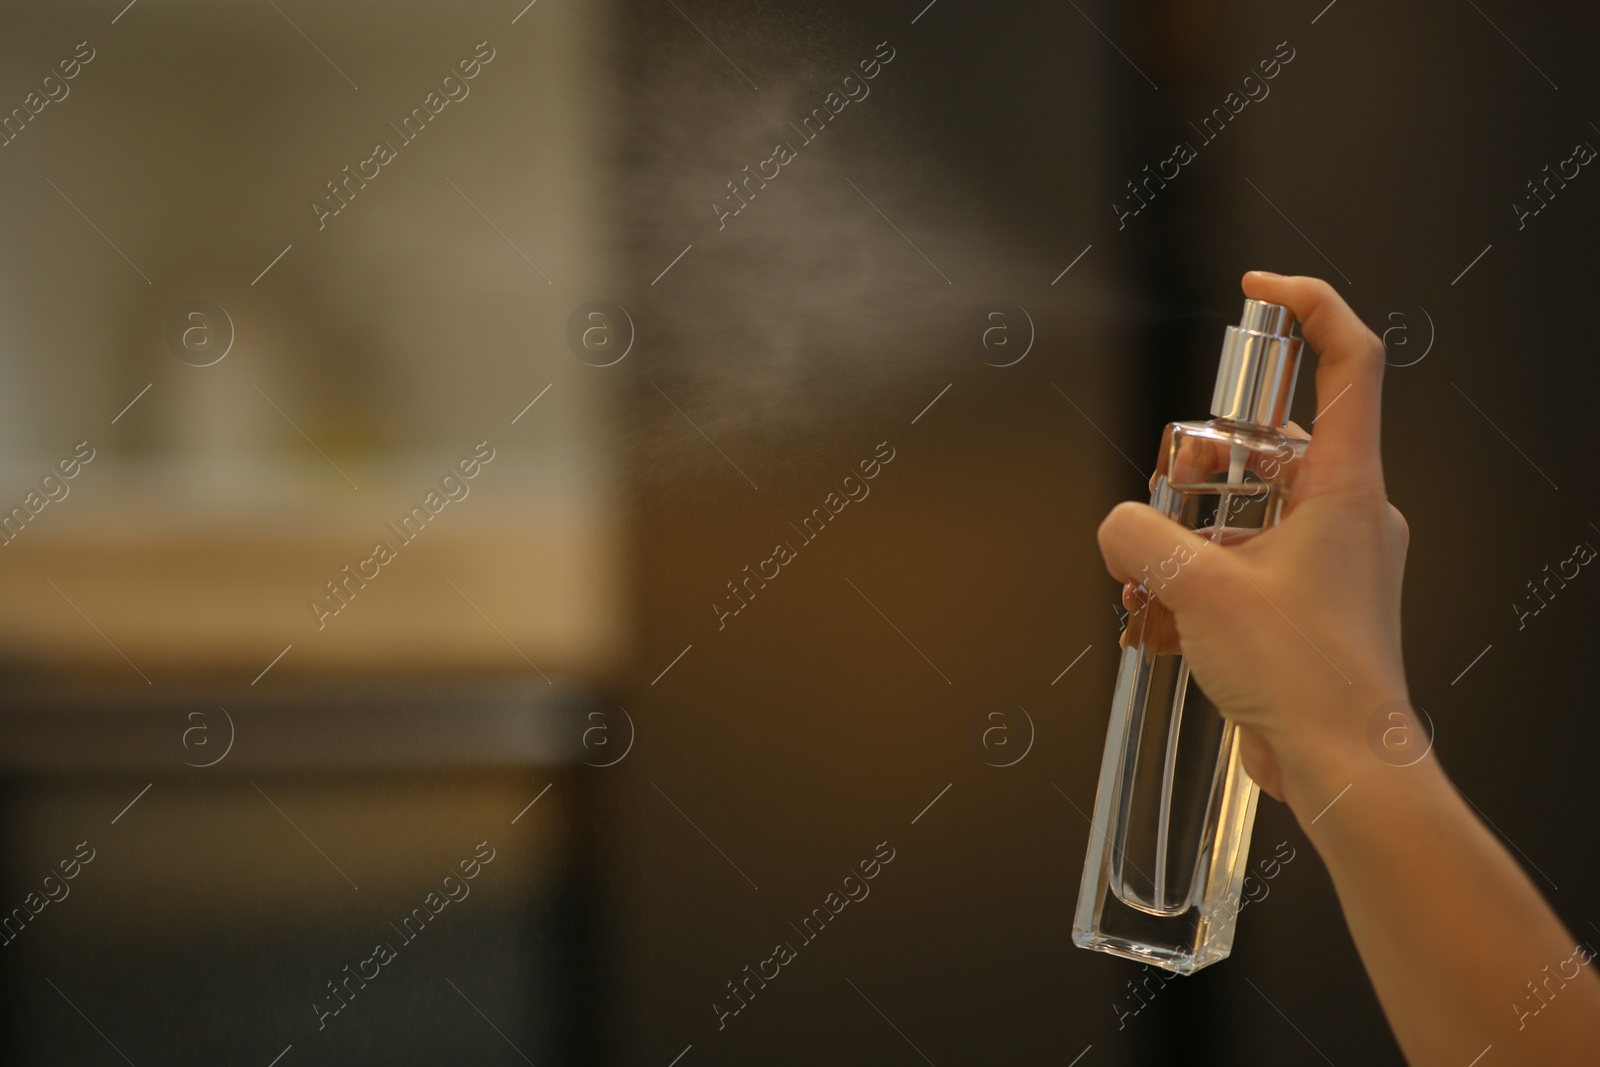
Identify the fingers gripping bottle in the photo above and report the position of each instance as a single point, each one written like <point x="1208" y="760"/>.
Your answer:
<point x="1172" y="817"/>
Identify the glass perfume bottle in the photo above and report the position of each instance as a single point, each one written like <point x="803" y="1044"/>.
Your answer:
<point x="1172" y="816"/>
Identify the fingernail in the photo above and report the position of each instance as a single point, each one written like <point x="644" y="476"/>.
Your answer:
<point x="1265" y="274"/>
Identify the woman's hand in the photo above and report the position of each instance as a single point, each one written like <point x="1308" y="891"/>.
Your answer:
<point x="1295" y="633"/>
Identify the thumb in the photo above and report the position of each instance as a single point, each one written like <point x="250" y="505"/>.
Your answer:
<point x="1170" y="560"/>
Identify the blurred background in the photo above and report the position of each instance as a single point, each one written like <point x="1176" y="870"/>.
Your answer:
<point x="241" y="346"/>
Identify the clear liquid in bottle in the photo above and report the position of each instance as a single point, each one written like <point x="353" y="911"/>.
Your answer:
<point x="1174" y="808"/>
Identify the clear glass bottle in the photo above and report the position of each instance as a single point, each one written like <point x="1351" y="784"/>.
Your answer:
<point x="1172" y="816"/>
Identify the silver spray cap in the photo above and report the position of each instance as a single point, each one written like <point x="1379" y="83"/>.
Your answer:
<point x="1260" y="361"/>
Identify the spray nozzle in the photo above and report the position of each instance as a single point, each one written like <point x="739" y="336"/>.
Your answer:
<point x="1260" y="361"/>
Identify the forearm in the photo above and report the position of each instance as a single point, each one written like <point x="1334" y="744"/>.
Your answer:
<point x="1460" y="946"/>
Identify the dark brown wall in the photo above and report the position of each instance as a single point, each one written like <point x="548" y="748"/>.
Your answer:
<point x="809" y="729"/>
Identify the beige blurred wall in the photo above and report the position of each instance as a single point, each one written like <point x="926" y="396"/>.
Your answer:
<point x="395" y="338"/>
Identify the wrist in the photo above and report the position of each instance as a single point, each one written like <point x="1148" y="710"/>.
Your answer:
<point x="1364" y="738"/>
<point x="1377" y="814"/>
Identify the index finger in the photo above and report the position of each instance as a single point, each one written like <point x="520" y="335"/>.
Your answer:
<point x="1349" y="378"/>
